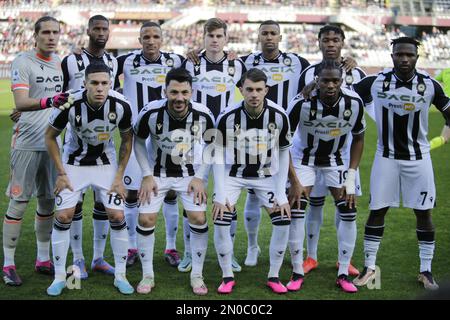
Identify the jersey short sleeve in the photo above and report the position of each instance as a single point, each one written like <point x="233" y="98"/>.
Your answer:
<point x="59" y="119"/>
<point x="20" y="76"/>
<point x="285" y="139"/>
<point x="363" y="88"/>
<point x="141" y="127"/>
<point x="125" y="122"/>
<point x="294" y="110"/>
<point x="360" y="123"/>
<point x="440" y="101"/>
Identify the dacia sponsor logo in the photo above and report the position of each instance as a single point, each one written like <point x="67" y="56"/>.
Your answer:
<point x="49" y="79"/>
<point x="98" y="129"/>
<point x="174" y="139"/>
<point x="401" y="98"/>
<point x="149" y="71"/>
<point x="278" y="69"/>
<point x="329" y="125"/>
<point x="216" y="80"/>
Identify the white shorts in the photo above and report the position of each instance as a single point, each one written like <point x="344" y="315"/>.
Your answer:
<point x="414" y="179"/>
<point x="133" y="175"/>
<point x="320" y="189"/>
<point x="331" y="176"/>
<point x="262" y="187"/>
<point x="180" y="186"/>
<point x="99" y="178"/>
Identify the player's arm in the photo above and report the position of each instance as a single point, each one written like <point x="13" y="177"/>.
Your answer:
<point x="442" y="103"/>
<point x="24" y="103"/>
<point x="356" y="151"/>
<point x="220" y="144"/>
<point x="57" y="123"/>
<point x="348" y="63"/>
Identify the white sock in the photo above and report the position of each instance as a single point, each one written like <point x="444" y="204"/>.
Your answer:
<point x="314" y="220"/>
<point x="60" y="248"/>
<point x="76" y="235"/>
<point x="186" y="234"/>
<point x="296" y="238"/>
<point x="337" y="218"/>
<point x="101" y="229"/>
<point x="146" y="245"/>
<point x="131" y="217"/>
<point x="224" y="244"/>
<point x="43" y="225"/>
<point x="346" y="238"/>
<point x="278" y="243"/>
<point x="372" y="240"/>
<point x="170" y="211"/>
<point x="252" y="218"/>
<point x="11" y="233"/>
<point x="199" y="244"/>
<point x="119" y="245"/>
<point x="426" y="248"/>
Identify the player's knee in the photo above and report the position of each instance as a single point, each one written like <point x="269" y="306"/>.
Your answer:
<point x="16" y="210"/>
<point x="147" y="220"/>
<point x="116" y="216"/>
<point x="278" y="220"/>
<point x="424" y="219"/>
<point x="317" y="201"/>
<point x="171" y="197"/>
<point x="345" y="212"/>
<point x="45" y="207"/>
<point x="197" y="219"/>
<point x="65" y="216"/>
<point x="376" y="217"/>
<point x="99" y="212"/>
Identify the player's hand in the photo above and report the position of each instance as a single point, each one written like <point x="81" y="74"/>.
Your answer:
<point x="196" y="186"/>
<point x="285" y="209"/>
<point x="192" y="56"/>
<point x="15" y="115"/>
<point x="348" y="190"/>
<point x="118" y="188"/>
<point x="232" y="55"/>
<point x="295" y="193"/>
<point x="348" y="63"/>
<point x="61" y="101"/>
<point x="148" y="185"/>
<point x="62" y="182"/>
<point x="219" y="209"/>
<point x="308" y="89"/>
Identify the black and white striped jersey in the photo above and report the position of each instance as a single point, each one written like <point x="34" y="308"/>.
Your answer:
<point x="324" y="130"/>
<point x="251" y="144"/>
<point x="355" y="75"/>
<point x="282" y="73"/>
<point x="214" y="83"/>
<point x="401" y="111"/>
<point x="309" y="74"/>
<point x="74" y="66"/>
<point x="90" y="141"/>
<point x="144" y="80"/>
<point x="177" y="144"/>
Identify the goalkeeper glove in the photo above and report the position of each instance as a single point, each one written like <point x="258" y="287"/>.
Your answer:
<point x="61" y="101"/>
<point x="437" y="142"/>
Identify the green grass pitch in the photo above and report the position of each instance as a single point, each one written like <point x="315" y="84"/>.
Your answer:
<point x="398" y="255"/>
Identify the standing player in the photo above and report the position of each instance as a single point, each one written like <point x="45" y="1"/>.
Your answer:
<point x="252" y="147"/>
<point x="73" y="67"/>
<point x="324" y="124"/>
<point x="177" y="130"/>
<point x="89" y="160"/>
<point x="144" y="81"/>
<point x="214" y="82"/>
<point x="402" y="96"/>
<point x="283" y="71"/>
<point x="35" y="77"/>
<point x="331" y="42"/>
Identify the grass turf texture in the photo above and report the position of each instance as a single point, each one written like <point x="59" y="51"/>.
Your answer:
<point x="397" y="258"/>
